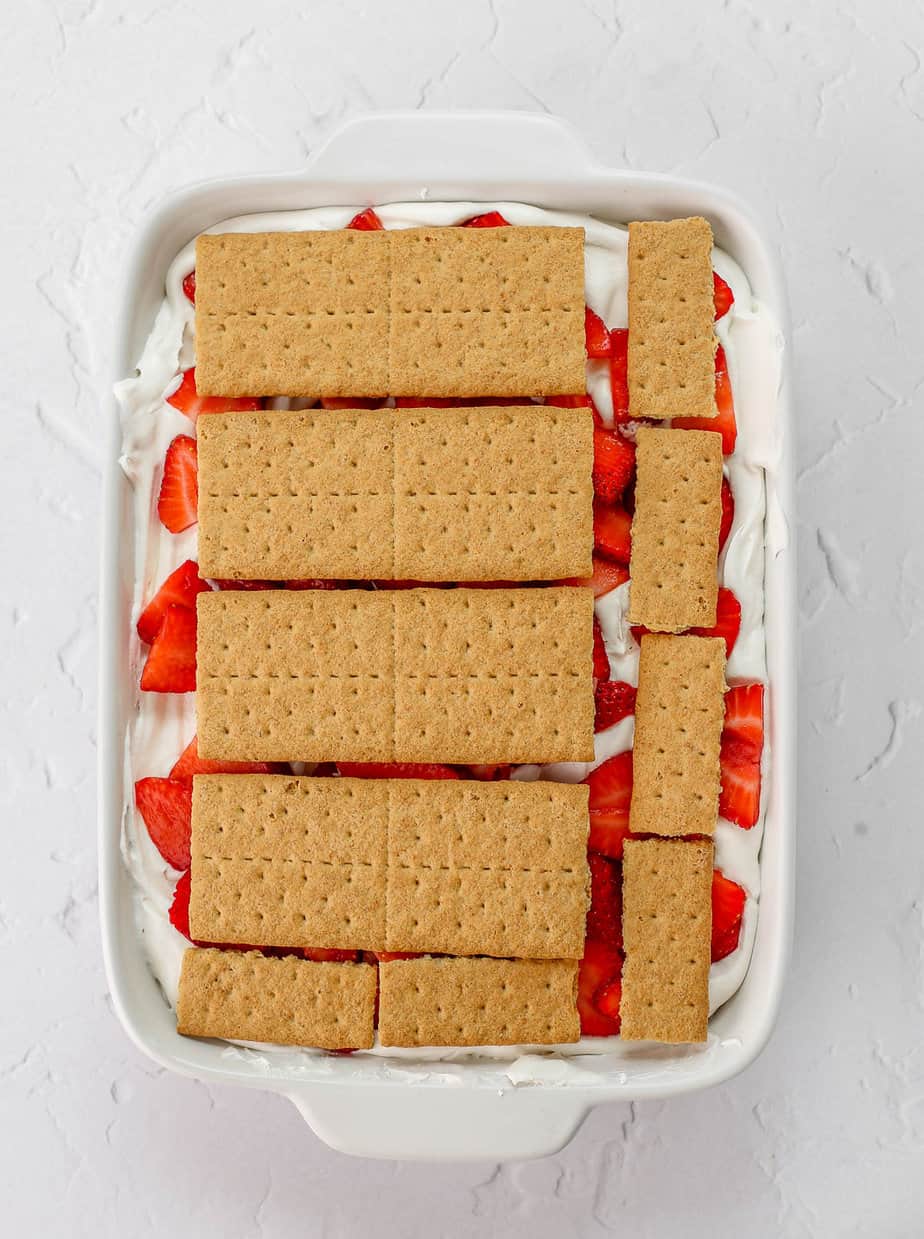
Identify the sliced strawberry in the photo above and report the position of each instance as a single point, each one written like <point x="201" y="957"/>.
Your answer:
<point x="609" y="829"/>
<point x="179" y="908"/>
<point x="366" y="221"/>
<point x="601" y="965"/>
<point x="578" y="401"/>
<point x="177" y="504"/>
<point x="724" y="424"/>
<point x="311" y="583"/>
<point x="189" y="763"/>
<point x="619" y="374"/>
<point x="607" y="575"/>
<point x="171" y="661"/>
<point x="225" y="584"/>
<point x="188" y="400"/>
<point x="728" y="513"/>
<point x="614" y="463"/>
<point x="386" y="957"/>
<point x="382" y="584"/>
<point x="490" y="219"/>
<point x="604" y="916"/>
<point x="596" y="334"/>
<point x="608" y="998"/>
<point x="189" y="285"/>
<point x="610" y="796"/>
<point x="612" y="531"/>
<point x="180" y="589"/>
<point x="601" y="659"/>
<point x="352" y="402"/>
<point x="492" y="584"/>
<point x="490" y="774"/>
<point x="396" y="770"/>
<point x="723" y="296"/>
<point x="324" y="955"/>
<point x="426" y="402"/>
<point x="727" y="620"/>
<point x="739" y="795"/>
<point x="728" y="900"/>
<point x="744" y="717"/>
<point x="613" y="701"/>
<point x="166" y="806"/>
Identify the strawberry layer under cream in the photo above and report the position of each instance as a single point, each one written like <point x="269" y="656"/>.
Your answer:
<point x="164" y="723"/>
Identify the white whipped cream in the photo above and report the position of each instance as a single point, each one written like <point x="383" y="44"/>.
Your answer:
<point x="164" y="723"/>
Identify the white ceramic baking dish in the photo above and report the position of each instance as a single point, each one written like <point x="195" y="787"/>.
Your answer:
<point x="467" y="1110"/>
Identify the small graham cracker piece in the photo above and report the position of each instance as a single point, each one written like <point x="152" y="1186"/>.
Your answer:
<point x="477" y="1002"/>
<point x="679" y="712"/>
<point x="423" y="494"/>
<point x="671" y="368"/>
<point x="667" y="930"/>
<point x="245" y="996"/>
<point x="675" y="529"/>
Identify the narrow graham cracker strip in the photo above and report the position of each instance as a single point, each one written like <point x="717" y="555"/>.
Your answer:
<point x="679" y="711"/>
<point x="395" y="675"/>
<point x="671" y="368"/>
<point x="423" y="494"/>
<point x="667" y="930"/>
<point x="442" y="312"/>
<point x="675" y="529"/>
<point x="477" y="1002"/>
<point x="287" y="1001"/>
<point x="463" y="868"/>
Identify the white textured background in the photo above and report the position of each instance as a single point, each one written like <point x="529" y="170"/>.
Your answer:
<point x="815" y="113"/>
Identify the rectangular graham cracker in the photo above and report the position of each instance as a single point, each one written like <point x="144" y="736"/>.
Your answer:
<point x="420" y="494"/>
<point x="431" y="311"/>
<point x="457" y="675"/>
<point x="667" y="931"/>
<point x="288" y="1001"/>
<point x="672" y="343"/>
<point x="463" y="868"/>
<point x="675" y="529"/>
<point x="679" y="711"/>
<point x="478" y="1002"/>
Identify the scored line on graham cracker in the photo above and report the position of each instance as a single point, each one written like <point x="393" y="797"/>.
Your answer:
<point x="455" y="867"/>
<point x="667" y="930"/>
<point x="672" y="343"/>
<point x="415" y="312"/>
<point x="324" y="675"/>
<point x="679" y="712"/>
<point x="428" y="494"/>
<point x="675" y="529"/>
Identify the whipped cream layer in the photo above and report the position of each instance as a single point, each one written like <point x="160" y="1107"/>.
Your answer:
<point x="163" y="724"/>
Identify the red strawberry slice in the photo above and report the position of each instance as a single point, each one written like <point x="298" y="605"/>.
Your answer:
<point x="166" y="806"/>
<point x="607" y="575"/>
<point x="180" y="589"/>
<point x="601" y="965"/>
<point x="608" y="998"/>
<point x="171" y="661"/>
<point x="728" y="513"/>
<point x="311" y="583"/>
<point x="727" y="620"/>
<point x="597" y="336"/>
<point x="612" y="531"/>
<point x="178" y="502"/>
<point x="426" y="402"/>
<point x="604" y="916"/>
<point x="188" y="400"/>
<point x="366" y="221"/>
<point x="396" y="770"/>
<point x="739" y="795"/>
<point x="614" y="464"/>
<point x="579" y="401"/>
<point x="728" y="900"/>
<point x="491" y="774"/>
<point x="612" y="701"/>
<point x="601" y="659"/>
<point x="744" y="717"/>
<point x="609" y="799"/>
<point x="386" y="957"/>
<point x="189" y="285"/>
<point x="224" y="584"/>
<point x="723" y="296"/>
<point x="324" y="955"/>
<point x="189" y="763"/>
<point x="179" y="908"/>
<point x="725" y="423"/>
<point x="352" y="402"/>
<point x="619" y="374"/>
<point x="490" y="219"/>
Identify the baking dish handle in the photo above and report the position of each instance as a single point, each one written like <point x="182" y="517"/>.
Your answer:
<point x="441" y="1124"/>
<point x="503" y="146"/>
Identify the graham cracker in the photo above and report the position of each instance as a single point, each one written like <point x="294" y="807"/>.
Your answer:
<point x="477" y="1002"/>
<point x="671" y="368"/>
<point x="487" y="868"/>
<point x="667" y="931"/>
<point x="679" y="712"/>
<point x="443" y="312"/>
<point x="675" y="529"/>
<point x="390" y="864"/>
<point x="286" y="861"/>
<point x="421" y="494"/>
<point x="288" y="1001"/>
<point x="495" y="311"/>
<point x="395" y="675"/>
